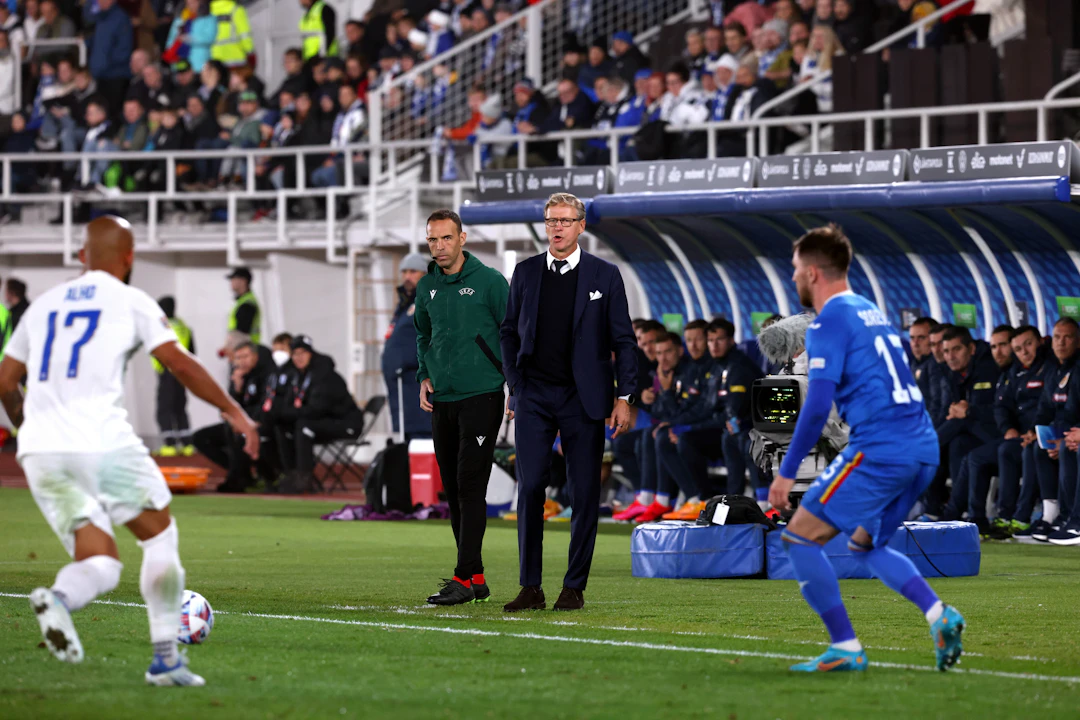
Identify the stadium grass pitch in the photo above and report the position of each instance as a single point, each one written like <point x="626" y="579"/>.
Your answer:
<point x="321" y="619"/>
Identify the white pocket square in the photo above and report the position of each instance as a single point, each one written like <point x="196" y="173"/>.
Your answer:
<point x="595" y="295"/>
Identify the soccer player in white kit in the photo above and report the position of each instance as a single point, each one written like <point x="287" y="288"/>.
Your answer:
<point x="86" y="467"/>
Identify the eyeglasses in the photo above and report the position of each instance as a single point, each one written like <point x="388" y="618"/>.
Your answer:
<point x="564" y="222"/>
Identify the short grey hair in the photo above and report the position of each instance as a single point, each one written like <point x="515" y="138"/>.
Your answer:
<point x="567" y="199"/>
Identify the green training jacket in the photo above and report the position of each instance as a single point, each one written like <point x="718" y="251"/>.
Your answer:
<point x="457" y="321"/>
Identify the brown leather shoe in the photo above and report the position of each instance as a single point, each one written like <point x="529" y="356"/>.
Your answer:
<point x="570" y="599"/>
<point x="530" y="598"/>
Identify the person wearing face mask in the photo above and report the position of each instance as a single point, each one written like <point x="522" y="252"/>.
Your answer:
<point x="399" y="363"/>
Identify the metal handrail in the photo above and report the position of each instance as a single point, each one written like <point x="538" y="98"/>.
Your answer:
<point x="16" y="52"/>
<point x="58" y="42"/>
<point x="461" y="47"/>
<point x="918" y="27"/>
<point x="1062" y="86"/>
<point x="568" y="137"/>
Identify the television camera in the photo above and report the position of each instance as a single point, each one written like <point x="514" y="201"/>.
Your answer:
<point x="775" y="402"/>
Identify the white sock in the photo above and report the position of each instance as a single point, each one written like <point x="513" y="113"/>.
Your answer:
<point x="936" y="611"/>
<point x="161" y="582"/>
<point x="694" y="500"/>
<point x="765" y="505"/>
<point x="848" y="645"/>
<point x="645" y="497"/>
<point x="1050" y="510"/>
<point x="663" y="499"/>
<point x="80" y="582"/>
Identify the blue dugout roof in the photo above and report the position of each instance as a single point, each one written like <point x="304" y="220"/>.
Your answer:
<point x="1008" y="249"/>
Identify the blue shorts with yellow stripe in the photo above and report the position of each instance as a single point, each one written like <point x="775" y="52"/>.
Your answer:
<point x="858" y="491"/>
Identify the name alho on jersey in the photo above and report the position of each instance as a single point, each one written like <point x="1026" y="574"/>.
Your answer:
<point x="76" y="341"/>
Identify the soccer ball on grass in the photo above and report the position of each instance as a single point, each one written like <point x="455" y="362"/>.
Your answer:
<point x="196" y="619"/>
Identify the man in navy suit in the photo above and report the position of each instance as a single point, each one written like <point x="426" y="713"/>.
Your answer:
<point x="565" y="316"/>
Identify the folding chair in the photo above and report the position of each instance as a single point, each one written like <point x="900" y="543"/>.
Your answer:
<point x="337" y="455"/>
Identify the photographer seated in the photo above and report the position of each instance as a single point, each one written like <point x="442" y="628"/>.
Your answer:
<point x="318" y="409"/>
<point x="251" y="364"/>
<point x="972" y="380"/>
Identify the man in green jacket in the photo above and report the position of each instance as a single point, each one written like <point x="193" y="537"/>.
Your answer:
<point x="460" y="305"/>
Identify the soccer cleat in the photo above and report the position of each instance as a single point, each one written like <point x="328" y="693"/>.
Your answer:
<point x="1015" y="526"/>
<point x="945" y="632"/>
<point x="833" y="660"/>
<point x="1040" y="530"/>
<point x="188" y="451"/>
<point x="1068" y="535"/>
<point x="551" y="508"/>
<point x="481" y="592"/>
<point x="167" y="451"/>
<point x="178" y="675"/>
<point x="632" y="511"/>
<point x="688" y="511"/>
<point x="652" y="513"/>
<point x="57" y="629"/>
<point x="453" y="592"/>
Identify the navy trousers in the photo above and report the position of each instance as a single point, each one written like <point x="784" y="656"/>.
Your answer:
<point x="543" y="411"/>
<point x="674" y="464"/>
<point x="1019" y="470"/>
<point x="697" y="448"/>
<point x="737" y="459"/>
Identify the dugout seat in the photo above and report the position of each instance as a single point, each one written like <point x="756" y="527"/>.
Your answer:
<point x="338" y="456"/>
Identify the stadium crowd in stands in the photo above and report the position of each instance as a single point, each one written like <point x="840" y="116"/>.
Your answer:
<point x="184" y="74"/>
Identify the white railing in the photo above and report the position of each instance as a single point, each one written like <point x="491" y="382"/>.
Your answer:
<point x="389" y="178"/>
<point x="16" y="52"/>
<point x="384" y="204"/>
<point x="918" y="28"/>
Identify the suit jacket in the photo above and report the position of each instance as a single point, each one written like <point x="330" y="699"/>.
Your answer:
<point x="601" y="326"/>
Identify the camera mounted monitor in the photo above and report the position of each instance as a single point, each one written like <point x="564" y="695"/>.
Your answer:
<point x="775" y="402"/>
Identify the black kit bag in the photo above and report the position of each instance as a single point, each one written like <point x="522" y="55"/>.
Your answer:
<point x="733" y="510"/>
<point x="386" y="482"/>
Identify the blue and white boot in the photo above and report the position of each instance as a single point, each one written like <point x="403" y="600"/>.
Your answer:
<point x="57" y="629"/>
<point x="946" y="632"/>
<point x="178" y="675"/>
<point x="834" y="660"/>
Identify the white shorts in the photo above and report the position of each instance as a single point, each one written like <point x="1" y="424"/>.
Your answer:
<point x="106" y="489"/>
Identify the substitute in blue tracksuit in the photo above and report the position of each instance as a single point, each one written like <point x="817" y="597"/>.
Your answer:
<point x="690" y="396"/>
<point x="736" y="382"/>
<point x="697" y="435"/>
<point x="969" y="420"/>
<point x="399" y="353"/>
<point x="981" y="463"/>
<point x="1018" y="456"/>
<point x="1057" y="486"/>
<point x="1069" y="531"/>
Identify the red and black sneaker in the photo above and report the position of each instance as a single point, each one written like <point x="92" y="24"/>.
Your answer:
<point x="453" y="592"/>
<point x="480" y="589"/>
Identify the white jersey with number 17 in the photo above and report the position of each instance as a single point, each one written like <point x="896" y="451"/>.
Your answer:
<point x="76" y="341"/>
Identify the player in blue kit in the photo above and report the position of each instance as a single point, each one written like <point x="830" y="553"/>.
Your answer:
<point x="856" y="359"/>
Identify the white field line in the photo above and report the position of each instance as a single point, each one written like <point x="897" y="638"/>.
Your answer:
<point x="595" y="641"/>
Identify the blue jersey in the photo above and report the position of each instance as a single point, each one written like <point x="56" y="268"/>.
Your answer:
<point x="852" y="344"/>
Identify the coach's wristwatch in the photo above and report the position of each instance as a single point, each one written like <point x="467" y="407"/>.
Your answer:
<point x="630" y="399"/>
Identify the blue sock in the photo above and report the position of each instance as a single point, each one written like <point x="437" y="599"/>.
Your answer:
<point x="899" y="575"/>
<point x="817" y="581"/>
